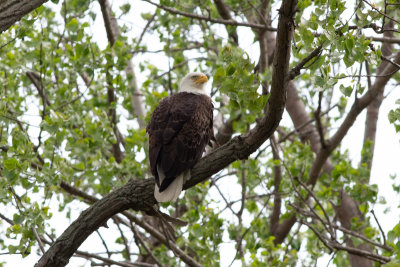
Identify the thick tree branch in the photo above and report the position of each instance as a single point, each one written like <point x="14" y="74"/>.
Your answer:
<point x="363" y="102"/>
<point x="371" y="119"/>
<point x="224" y="12"/>
<point x="276" y="211"/>
<point x="348" y="208"/>
<point x="138" y="194"/>
<point x="113" y="32"/>
<point x="12" y="11"/>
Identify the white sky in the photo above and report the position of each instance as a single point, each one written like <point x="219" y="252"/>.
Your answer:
<point x="386" y="159"/>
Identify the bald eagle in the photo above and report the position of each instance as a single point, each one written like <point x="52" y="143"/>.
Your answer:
<point x="179" y="129"/>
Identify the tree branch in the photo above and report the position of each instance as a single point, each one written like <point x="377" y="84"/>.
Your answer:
<point x="224" y="12"/>
<point x="113" y="32"/>
<point x="295" y="71"/>
<point x="276" y="211"/>
<point x="12" y="11"/>
<point x="138" y="194"/>
<point x="214" y="20"/>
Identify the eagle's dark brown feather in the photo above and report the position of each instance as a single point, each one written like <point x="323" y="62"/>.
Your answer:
<point x="180" y="128"/>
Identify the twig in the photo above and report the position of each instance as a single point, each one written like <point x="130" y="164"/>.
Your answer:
<point x="196" y="46"/>
<point x="183" y="63"/>
<point x="104" y="243"/>
<point x="243" y="184"/>
<point x="141" y="241"/>
<point x="214" y="20"/>
<point x="332" y="232"/>
<point x="125" y="241"/>
<point x="38" y="239"/>
<point x="391" y="62"/>
<point x="304" y="200"/>
<point x="284" y="138"/>
<point x="295" y="71"/>
<point x="380" y="12"/>
<point x="87" y="83"/>
<point x="385" y="39"/>
<point x="6" y="219"/>
<point x="248" y="229"/>
<point x="331" y="258"/>
<point x="317" y="116"/>
<point x="262" y="17"/>
<point x="318" y="234"/>
<point x="218" y="177"/>
<point x="9" y="42"/>
<point x="36" y="81"/>
<point x="368" y="76"/>
<point x="145" y="29"/>
<point x="380" y="227"/>
<point x="362" y="253"/>
<point x="345" y="230"/>
<point x="161" y="237"/>
<point x="228" y="204"/>
<point x="110" y="261"/>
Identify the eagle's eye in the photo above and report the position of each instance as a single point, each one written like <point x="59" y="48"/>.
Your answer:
<point x="195" y="77"/>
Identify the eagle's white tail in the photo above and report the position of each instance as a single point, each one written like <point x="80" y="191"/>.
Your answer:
<point x="173" y="190"/>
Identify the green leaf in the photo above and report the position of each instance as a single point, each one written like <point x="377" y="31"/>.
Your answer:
<point x="231" y="69"/>
<point x="219" y="77"/>
<point x="347" y="91"/>
<point x="349" y="43"/>
<point x="18" y="219"/>
<point x="125" y="8"/>
<point x="392" y="116"/>
<point x="11" y="163"/>
<point x="73" y="25"/>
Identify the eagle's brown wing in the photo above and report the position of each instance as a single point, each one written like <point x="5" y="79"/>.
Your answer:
<point x="179" y="130"/>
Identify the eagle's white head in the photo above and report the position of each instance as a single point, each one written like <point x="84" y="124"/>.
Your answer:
<point x="194" y="83"/>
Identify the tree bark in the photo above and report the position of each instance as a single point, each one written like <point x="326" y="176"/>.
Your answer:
<point x="224" y="12"/>
<point x="371" y="119"/>
<point x="138" y="194"/>
<point x="12" y="11"/>
<point x="348" y="208"/>
<point x="113" y="32"/>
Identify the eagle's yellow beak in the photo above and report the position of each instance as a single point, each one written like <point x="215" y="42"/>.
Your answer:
<point x="201" y="79"/>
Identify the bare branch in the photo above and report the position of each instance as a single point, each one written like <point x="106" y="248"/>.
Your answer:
<point x="141" y="241"/>
<point x="276" y="211"/>
<point x="150" y="20"/>
<point x="6" y="219"/>
<point x="214" y="20"/>
<point x="104" y="243"/>
<point x="38" y="239"/>
<point x="110" y="261"/>
<point x="385" y="39"/>
<point x="295" y="71"/>
<point x="380" y="227"/>
<point x="380" y="12"/>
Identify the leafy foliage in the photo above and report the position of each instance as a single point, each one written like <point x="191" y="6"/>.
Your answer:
<point x="67" y="108"/>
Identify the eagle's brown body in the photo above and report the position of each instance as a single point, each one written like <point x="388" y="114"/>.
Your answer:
<point x="180" y="128"/>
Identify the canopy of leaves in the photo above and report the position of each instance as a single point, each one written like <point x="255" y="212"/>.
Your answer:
<point x="80" y="78"/>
